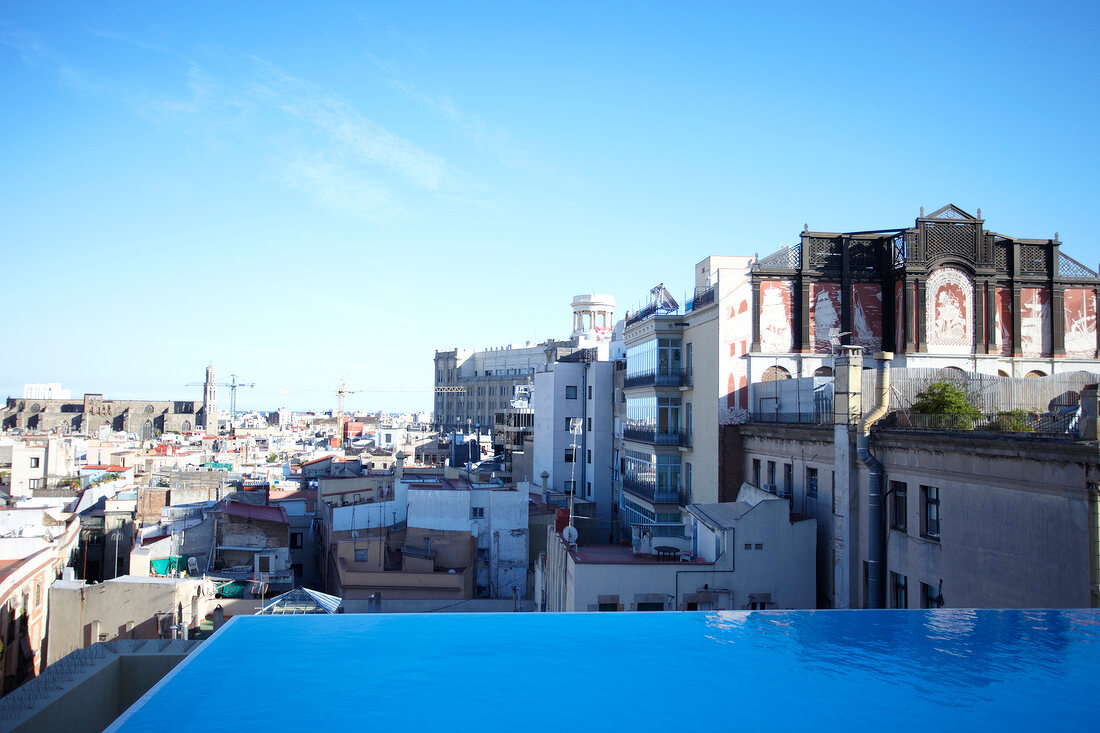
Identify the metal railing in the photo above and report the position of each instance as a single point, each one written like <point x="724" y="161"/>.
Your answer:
<point x="641" y="315"/>
<point x="678" y="378"/>
<point x="1059" y="422"/>
<point x="650" y="493"/>
<point x="655" y="437"/>
<point x="703" y="296"/>
<point x="792" y="418"/>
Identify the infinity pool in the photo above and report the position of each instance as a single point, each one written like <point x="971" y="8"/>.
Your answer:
<point x="731" y="670"/>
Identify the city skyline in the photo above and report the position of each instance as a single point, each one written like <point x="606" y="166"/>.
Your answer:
<point x="299" y="194"/>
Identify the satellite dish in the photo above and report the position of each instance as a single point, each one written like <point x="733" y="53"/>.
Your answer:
<point x="569" y="534"/>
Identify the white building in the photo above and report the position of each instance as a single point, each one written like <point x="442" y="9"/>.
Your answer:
<point x="495" y="517"/>
<point x="574" y="432"/>
<point x="472" y="385"/>
<point x="749" y="554"/>
<point x="46" y="391"/>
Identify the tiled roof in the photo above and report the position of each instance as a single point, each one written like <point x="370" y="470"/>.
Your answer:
<point x="263" y="513"/>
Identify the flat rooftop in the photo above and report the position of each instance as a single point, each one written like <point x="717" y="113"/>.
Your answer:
<point x="752" y="670"/>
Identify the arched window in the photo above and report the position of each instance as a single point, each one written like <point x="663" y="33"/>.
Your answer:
<point x="1003" y="373"/>
<point x="775" y="374"/>
<point x="823" y="372"/>
<point x="1034" y="373"/>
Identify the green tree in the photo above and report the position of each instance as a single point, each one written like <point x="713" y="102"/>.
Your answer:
<point x="1011" y="421"/>
<point x="947" y="407"/>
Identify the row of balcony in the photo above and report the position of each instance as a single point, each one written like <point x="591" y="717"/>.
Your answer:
<point x="655" y="437"/>
<point x="676" y="378"/>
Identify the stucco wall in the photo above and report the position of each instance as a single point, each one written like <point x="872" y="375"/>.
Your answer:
<point x="120" y="609"/>
<point x="705" y="399"/>
<point x="1014" y="512"/>
<point x="1014" y="530"/>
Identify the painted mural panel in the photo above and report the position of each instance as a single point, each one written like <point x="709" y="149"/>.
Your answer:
<point x="824" y="315"/>
<point x="776" y="299"/>
<point x="1080" y="323"/>
<point x="899" y="317"/>
<point x="1035" y="322"/>
<point x="867" y="316"/>
<point x="1002" y="322"/>
<point x="949" y="309"/>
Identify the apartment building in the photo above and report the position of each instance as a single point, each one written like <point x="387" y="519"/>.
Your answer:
<point x="748" y="554"/>
<point x="473" y="385"/>
<point x="574" y="431"/>
<point x="680" y="364"/>
<point x="983" y="513"/>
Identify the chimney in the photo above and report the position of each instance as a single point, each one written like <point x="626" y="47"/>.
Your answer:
<point x="1090" y="413"/>
<point x="848" y="386"/>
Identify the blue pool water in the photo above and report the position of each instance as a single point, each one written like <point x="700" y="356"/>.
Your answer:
<point x="897" y="670"/>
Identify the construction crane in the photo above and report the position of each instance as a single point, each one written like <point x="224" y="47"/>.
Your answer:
<point x="233" y="384"/>
<point x="342" y="390"/>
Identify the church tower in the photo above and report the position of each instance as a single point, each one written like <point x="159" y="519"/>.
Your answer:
<point x="210" y="402"/>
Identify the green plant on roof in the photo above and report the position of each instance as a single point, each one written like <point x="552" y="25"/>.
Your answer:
<point x="947" y="407"/>
<point x="1011" y="421"/>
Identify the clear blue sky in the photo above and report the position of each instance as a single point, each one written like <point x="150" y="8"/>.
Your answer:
<point x="299" y="191"/>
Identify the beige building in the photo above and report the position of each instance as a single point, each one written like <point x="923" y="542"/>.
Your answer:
<point x="126" y="607"/>
<point x="401" y="564"/>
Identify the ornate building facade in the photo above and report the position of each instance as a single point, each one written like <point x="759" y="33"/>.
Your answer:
<point x="946" y="292"/>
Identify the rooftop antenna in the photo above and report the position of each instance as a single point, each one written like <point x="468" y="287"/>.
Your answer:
<point x="575" y="426"/>
<point x="834" y="340"/>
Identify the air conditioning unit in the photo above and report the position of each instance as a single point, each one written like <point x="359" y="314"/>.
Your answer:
<point x="783" y="493"/>
<point x="770" y="488"/>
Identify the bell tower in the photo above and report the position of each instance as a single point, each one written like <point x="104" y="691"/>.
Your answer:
<point x="210" y="402"/>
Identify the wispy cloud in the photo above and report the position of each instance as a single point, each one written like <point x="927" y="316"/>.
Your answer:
<point x="492" y="139"/>
<point x="325" y="145"/>
<point x="34" y="51"/>
<point x="320" y="142"/>
<point x="413" y="44"/>
<point x="356" y="134"/>
<point x="337" y="187"/>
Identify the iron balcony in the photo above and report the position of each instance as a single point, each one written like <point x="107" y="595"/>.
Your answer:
<point x="653" y="437"/>
<point x="650" y="493"/>
<point x="679" y="378"/>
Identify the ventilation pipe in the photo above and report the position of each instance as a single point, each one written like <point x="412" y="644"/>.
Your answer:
<point x="875" y="552"/>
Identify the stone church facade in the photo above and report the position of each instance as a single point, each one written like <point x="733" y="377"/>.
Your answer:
<point x="143" y="418"/>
